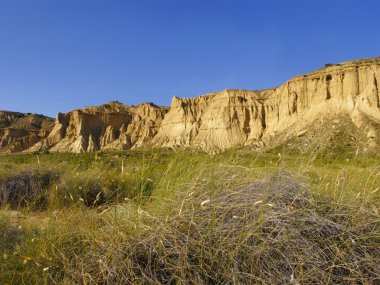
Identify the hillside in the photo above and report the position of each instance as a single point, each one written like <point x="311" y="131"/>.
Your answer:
<point x="346" y="93"/>
<point x="19" y="131"/>
<point x="109" y="126"/>
<point x="233" y="118"/>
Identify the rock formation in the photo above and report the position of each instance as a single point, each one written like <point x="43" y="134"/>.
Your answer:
<point x="215" y="121"/>
<point x="244" y="118"/>
<point x="20" y="131"/>
<point x="347" y="92"/>
<point x="109" y="126"/>
<point x="7" y="118"/>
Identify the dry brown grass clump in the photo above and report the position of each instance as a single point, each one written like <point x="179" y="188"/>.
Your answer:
<point x="27" y="188"/>
<point x="271" y="232"/>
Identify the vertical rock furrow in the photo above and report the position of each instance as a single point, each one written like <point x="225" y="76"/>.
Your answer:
<point x="215" y="121"/>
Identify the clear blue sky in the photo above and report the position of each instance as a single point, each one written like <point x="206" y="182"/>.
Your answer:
<point x="56" y="55"/>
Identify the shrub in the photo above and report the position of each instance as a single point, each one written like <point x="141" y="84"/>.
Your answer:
<point x="27" y="188"/>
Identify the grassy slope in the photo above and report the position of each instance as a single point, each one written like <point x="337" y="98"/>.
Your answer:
<point x="157" y="216"/>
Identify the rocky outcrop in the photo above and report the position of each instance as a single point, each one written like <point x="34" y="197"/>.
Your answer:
<point x="7" y="118"/>
<point x="255" y="118"/>
<point x="109" y="126"/>
<point x="20" y="131"/>
<point x="215" y="121"/>
<point x="230" y="118"/>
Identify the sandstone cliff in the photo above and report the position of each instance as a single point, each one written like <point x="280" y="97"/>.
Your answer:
<point x="257" y="118"/>
<point x="7" y="118"/>
<point x="20" y="131"/>
<point x="109" y="126"/>
<point x="307" y="107"/>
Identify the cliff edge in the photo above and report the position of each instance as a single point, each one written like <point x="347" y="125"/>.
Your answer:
<point x="232" y="118"/>
<point x="315" y="107"/>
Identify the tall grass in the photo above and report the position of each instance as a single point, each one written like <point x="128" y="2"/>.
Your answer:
<point x="187" y="217"/>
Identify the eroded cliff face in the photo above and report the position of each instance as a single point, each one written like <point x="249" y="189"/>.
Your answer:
<point x="7" y="118"/>
<point x="109" y="126"/>
<point x="20" y="131"/>
<point x="256" y="118"/>
<point x="301" y="107"/>
<point x="214" y="121"/>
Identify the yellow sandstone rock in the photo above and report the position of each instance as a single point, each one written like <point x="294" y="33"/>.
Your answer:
<point x="21" y="131"/>
<point x="221" y="120"/>
<point x="238" y="117"/>
<point x="109" y="126"/>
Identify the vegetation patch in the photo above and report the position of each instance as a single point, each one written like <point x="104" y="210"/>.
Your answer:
<point x="27" y="188"/>
<point x="186" y="217"/>
<point x="269" y="232"/>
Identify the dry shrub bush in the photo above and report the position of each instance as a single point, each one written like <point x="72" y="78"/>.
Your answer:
<point x="27" y="188"/>
<point x="270" y="232"/>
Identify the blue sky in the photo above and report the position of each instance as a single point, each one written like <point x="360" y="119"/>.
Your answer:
<point x="56" y="55"/>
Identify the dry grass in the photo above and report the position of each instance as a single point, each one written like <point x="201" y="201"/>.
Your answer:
<point x="27" y="189"/>
<point x="269" y="232"/>
<point x="235" y="218"/>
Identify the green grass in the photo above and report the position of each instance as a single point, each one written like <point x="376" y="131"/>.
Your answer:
<point x="187" y="217"/>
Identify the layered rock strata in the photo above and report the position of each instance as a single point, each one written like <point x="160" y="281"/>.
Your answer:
<point x="221" y="120"/>
<point x="239" y="118"/>
<point x="19" y="131"/>
<point x="109" y="126"/>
